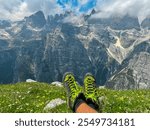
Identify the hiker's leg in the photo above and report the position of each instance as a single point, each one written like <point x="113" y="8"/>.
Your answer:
<point x="84" y="108"/>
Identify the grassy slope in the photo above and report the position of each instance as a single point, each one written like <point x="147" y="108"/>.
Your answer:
<point x="33" y="97"/>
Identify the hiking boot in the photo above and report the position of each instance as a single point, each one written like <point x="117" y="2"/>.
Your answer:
<point x="74" y="91"/>
<point x="90" y="91"/>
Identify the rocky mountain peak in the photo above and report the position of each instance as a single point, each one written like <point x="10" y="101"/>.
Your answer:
<point x="36" y="20"/>
<point x="4" y="24"/>
<point x="146" y="23"/>
<point x="113" y="49"/>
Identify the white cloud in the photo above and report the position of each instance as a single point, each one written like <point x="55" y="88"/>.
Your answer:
<point x="139" y="8"/>
<point x="20" y="12"/>
<point x="18" y="9"/>
<point x="74" y="19"/>
<point x="7" y="7"/>
<point x="82" y="2"/>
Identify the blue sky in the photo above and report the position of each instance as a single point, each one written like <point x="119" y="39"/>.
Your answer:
<point x="81" y="5"/>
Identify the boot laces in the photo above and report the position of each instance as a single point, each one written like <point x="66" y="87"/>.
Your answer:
<point x="90" y="83"/>
<point x="71" y="85"/>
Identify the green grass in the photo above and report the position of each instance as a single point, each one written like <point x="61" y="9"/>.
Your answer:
<point x="33" y="97"/>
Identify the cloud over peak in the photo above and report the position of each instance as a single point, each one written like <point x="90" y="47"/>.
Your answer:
<point x="18" y="9"/>
<point x="140" y="8"/>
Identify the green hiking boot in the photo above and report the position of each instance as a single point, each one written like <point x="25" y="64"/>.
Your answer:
<point x="73" y="89"/>
<point x="90" y="91"/>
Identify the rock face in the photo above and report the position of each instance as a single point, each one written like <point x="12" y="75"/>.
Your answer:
<point x="4" y="23"/>
<point x="135" y="76"/>
<point x="146" y="23"/>
<point x="7" y="62"/>
<point x="136" y="71"/>
<point x="44" y="49"/>
<point x="36" y="20"/>
<point x="117" y="22"/>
